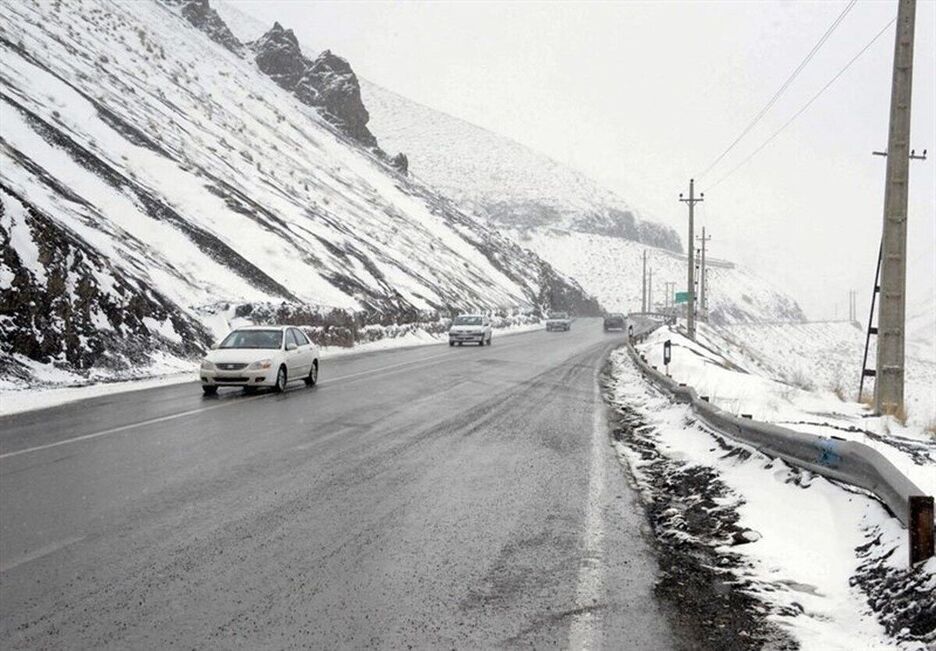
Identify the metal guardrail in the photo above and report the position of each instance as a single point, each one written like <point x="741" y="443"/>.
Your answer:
<point x="845" y="461"/>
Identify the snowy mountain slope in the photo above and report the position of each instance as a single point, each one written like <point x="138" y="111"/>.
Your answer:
<point x="611" y="268"/>
<point x="499" y="179"/>
<point x="560" y="214"/>
<point x="827" y="356"/>
<point x="511" y="185"/>
<point x="163" y="169"/>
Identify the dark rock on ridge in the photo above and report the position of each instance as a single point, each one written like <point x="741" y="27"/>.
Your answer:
<point x="200" y="14"/>
<point x="327" y="83"/>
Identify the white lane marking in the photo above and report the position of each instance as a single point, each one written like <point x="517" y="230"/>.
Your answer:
<point x="192" y="412"/>
<point x="123" y="428"/>
<point x="585" y="629"/>
<point x="45" y="550"/>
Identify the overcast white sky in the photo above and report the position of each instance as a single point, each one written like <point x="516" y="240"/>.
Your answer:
<point x="643" y="95"/>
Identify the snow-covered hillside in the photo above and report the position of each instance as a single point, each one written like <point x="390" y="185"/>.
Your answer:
<point x="154" y="174"/>
<point x="571" y="221"/>
<point x="610" y="268"/>
<point x="827" y="356"/>
<point x="509" y="184"/>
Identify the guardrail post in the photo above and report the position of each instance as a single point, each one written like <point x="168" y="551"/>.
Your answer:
<point x="921" y="528"/>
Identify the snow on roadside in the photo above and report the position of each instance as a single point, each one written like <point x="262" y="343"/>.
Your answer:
<point x="741" y="384"/>
<point x="796" y="533"/>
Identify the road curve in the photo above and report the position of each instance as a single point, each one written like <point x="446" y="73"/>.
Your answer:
<point x="428" y="497"/>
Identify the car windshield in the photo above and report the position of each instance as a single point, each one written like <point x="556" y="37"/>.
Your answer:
<point x="558" y="315"/>
<point x="272" y="339"/>
<point x="467" y="320"/>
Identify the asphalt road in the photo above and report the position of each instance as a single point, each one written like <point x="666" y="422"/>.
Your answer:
<point x="428" y="497"/>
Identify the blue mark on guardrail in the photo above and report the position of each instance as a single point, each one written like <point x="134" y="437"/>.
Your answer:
<point x="828" y="453"/>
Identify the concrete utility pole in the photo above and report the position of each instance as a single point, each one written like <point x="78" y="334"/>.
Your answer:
<point x="690" y="285"/>
<point x="643" y="287"/>
<point x="889" y="384"/>
<point x="703" y="279"/>
<point x="650" y="291"/>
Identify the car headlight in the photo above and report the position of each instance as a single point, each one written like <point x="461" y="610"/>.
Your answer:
<point x="207" y="365"/>
<point x="260" y="365"/>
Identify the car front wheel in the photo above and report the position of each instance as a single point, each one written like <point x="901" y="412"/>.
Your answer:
<point x="209" y="390"/>
<point x="280" y="385"/>
<point x="312" y="377"/>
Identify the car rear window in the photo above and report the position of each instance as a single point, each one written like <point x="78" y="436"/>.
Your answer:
<point x="467" y="320"/>
<point x="272" y="339"/>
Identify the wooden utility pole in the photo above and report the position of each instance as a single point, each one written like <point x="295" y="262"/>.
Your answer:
<point x="703" y="279"/>
<point x="690" y="285"/>
<point x="889" y="384"/>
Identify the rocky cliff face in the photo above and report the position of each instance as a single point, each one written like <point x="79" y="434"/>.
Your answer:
<point x="327" y="82"/>
<point x="278" y="56"/>
<point x="337" y="91"/>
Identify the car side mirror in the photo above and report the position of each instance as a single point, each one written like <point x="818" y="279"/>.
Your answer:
<point x="215" y="345"/>
<point x="291" y="346"/>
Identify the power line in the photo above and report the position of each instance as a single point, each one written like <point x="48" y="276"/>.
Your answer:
<point x="805" y="106"/>
<point x="782" y="88"/>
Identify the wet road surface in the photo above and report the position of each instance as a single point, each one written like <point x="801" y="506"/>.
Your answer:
<point x="428" y="497"/>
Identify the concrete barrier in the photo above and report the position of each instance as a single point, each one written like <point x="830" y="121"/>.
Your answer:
<point x="845" y="461"/>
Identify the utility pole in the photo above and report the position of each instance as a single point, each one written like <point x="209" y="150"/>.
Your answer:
<point x="889" y="384"/>
<point x="690" y="285"/>
<point x="703" y="279"/>
<point x="650" y="291"/>
<point x="643" y="288"/>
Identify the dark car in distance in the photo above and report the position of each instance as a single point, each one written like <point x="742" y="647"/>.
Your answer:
<point x="614" y="322"/>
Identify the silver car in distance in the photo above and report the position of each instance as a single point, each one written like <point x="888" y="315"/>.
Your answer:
<point x="260" y="356"/>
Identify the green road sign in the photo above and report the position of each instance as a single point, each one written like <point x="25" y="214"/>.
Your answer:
<point x="682" y="297"/>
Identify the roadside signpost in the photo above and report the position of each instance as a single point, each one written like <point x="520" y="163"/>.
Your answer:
<point x="682" y="297"/>
<point x="667" y="354"/>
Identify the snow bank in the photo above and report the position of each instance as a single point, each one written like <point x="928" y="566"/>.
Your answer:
<point x="739" y="383"/>
<point x="799" y="532"/>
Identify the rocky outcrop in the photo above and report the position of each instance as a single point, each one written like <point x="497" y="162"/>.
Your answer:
<point x="327" y="83"/>
<point x="400" y="163"/>
<point x="278" y="56"/>
<point x="200" y="14"/>
<point x="62" y="302"/>
<point x="339" y="95"/>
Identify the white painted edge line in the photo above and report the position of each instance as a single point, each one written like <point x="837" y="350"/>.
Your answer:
<point x="36" y="554"/>
<point x="585" y="628"/>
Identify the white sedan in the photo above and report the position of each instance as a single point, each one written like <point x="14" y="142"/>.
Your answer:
<point x="260" y="356"/>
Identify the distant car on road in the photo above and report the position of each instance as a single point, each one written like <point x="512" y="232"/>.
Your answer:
<point x="260" y="356"/>
<point x="558" y="321"/>
<point x="474" y="328"/>
<point x="614" y="321"/>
